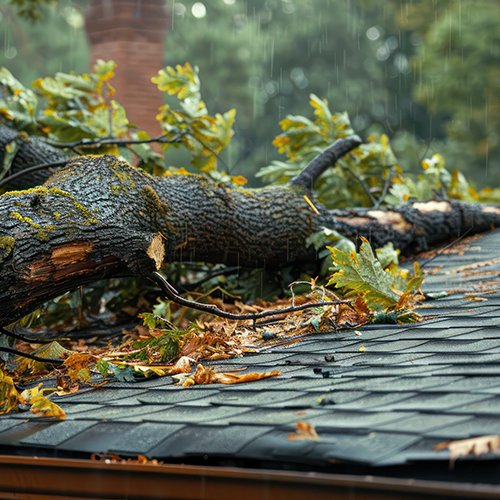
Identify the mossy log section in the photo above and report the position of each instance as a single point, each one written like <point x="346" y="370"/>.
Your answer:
<point x="99" y="217"/>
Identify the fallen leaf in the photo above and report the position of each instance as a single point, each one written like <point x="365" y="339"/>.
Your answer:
<point x="40" y="404"/>
<point x="473" y="298"/>
<point x="9" y="396"/>
<point x="183" y="365"/>
<point x="470" y="447"/>
<point x="78" y="366"/>
<point x="204" y="375"/>
<point x="304" y="431"/>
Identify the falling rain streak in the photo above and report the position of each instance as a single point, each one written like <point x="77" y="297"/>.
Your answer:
<point x="425" y="73"/>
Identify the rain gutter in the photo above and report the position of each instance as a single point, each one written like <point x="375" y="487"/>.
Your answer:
<point x="55" y="478"/>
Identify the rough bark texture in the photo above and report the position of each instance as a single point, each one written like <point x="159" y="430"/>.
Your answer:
<point x="30" y="151"/>
<point x="99" y="218"/>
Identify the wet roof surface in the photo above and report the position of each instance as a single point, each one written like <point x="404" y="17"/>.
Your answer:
<point x="380" y="398"/>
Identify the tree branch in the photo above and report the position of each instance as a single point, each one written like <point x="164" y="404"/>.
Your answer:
<point x="385" y="190"/>
<point x="324" y="160"/>
<point x="105" y="141"/>
<point x="18" y="336"/>
<point x="102" y="218"/>
<point x="172" y="294"/>
<point x="30" y="170"/>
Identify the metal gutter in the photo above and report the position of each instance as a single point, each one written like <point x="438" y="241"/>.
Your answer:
<point x="55" y="478"/>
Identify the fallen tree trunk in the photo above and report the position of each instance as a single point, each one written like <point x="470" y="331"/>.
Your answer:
<point x="99" y="217"/>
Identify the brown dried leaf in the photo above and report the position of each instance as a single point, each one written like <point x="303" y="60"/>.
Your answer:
<point x="78" y="366"/>
<point x="303" y="431"/>
<point x="234" y="378"/>
<point x="183" y="365"/>
<point x="204" y="375"/>
<point x="470" y="447"/>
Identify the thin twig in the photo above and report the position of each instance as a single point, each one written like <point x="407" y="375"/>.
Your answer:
<point x="172" y="294"/>
<point x="226" y="271"/>
<point x="362" y="183"/>
<point x="267" y="322"/>
<point x="32" y="169"/>
<point x="295" y="283"/>
<point x="18" y="336"/>
<point x="208" y="148"/>
<point x="86" y="142"/>
<point x="443" y="249"/>
<point x="162" y="139"/>
<point x="385" y="190"/>
<point x="53" y="361"/>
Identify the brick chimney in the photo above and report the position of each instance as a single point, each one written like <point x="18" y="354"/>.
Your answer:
<point x="132" y="33"/>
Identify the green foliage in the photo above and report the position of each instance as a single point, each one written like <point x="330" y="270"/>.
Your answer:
<point x="388" y="256"/>
<point x="366" y="168"/>
<point x="204" y="136"/>
<point x="162" y="345"/>
<point x="370" y="168"/>
<point x="57" y="42"/>
<point x="66" y="107"/>
<point x="18" y="104"/>
<point x="328" y="238"/>
<point x="32" y="9"/>
<point x="80" y="106"/>
<point x="376" y="279"/>
<point x="459" y="79"/>
<point x="152" y="321"/>
<point x="436" y="182"/>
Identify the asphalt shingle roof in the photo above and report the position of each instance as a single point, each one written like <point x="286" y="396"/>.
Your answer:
<point x="411" y="387"/>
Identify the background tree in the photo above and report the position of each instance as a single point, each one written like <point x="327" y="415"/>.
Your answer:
<point x="458" y="68"/>
<point x="394" y="68"/>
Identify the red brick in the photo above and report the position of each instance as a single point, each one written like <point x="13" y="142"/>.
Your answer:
<point x="132" y="34"/>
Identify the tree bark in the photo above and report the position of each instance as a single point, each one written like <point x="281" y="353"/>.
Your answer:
<point x="99" y="217"/>
<point x="31" y="151"/>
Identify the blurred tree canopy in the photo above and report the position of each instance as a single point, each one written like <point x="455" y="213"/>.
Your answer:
<point x="426" y="78"/>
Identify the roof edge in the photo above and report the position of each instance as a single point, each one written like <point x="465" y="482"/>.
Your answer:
<point x="56" y="478"/>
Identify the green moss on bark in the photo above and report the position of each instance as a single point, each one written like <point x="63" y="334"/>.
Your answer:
<point x="6" y="246"/>
<point x="42" y="232"/>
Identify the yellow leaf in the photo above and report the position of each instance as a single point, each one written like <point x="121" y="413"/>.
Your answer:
<point x="9" y="396"/>
<point x="148" y="370"/>
<point x="239" y="180"/>
<point x="281" y="142"/>
<point x="78" y="366"/>
<point x="40" y="404"/>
